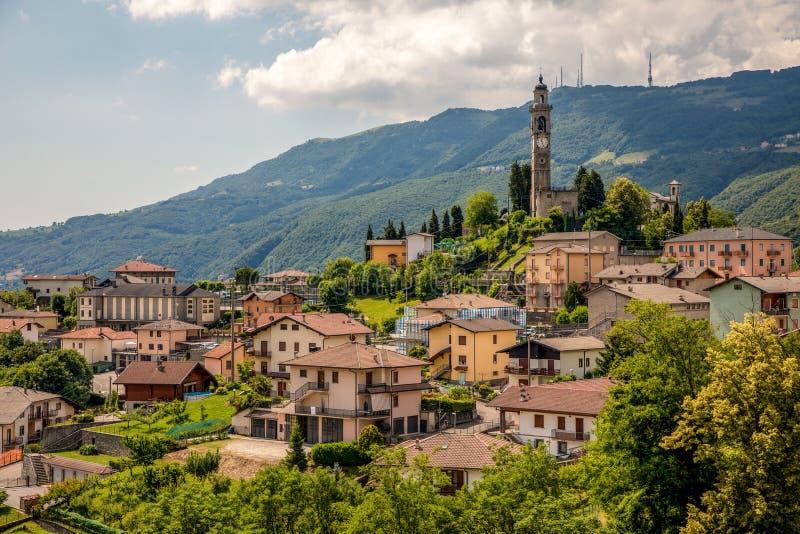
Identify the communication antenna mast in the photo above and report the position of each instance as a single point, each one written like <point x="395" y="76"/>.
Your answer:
<point x="650" y="71"/>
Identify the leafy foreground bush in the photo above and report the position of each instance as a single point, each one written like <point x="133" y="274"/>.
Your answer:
<point x="344" y="453"/>
<point x="87" y="449"/>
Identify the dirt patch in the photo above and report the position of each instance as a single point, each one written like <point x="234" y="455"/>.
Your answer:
<point x="239" y="457"/>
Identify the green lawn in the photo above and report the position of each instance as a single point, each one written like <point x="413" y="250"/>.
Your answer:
<point x="600" y="158"/>
<point x="216" y="406"/>
<point x="9" y="514"/>
<point x="377" y="309"/>
<point x="102" y="459"/>
<point x="30" y="527"/>
<point x="516" y="254"/>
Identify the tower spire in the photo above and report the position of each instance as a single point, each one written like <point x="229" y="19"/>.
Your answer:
<point x="650" y="71"/>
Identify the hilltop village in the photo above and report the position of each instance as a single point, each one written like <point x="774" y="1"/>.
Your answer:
<point x="554" y="365"/>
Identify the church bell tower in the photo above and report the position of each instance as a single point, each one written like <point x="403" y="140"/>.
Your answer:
<point x="541" y="194"/>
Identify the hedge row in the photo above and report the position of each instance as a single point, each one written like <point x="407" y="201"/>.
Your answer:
<point x="78" y="521"/>
<point x="438" y="402"/>
<point x="344" y="453"/>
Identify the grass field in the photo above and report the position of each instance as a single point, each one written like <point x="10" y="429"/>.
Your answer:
<point x="102" y="459"/>
<point x="378" y="309"/>
<point x="633" y="158"/>
<point x="29" y="527"/>
<point x="516" y="254"/>
<point x="600" y="158"/>
<point x="216" y="406"/>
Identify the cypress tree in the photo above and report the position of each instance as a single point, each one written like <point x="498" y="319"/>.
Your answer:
<point x="515" y="187"/>
<point x="433" y="224"/>
<point x="424" y="228"/>
<point x="370" y="236"/>
<point x="526" y="187"/>
<point x="703" y="222"/>
<point x="457" y="218"/>
<point x="369" y="232"/>
<point x="389" y="231"/>
<point x="677" y="219"/>
<point x="597" y="193"/>
<point x="446" y="230"/>
<point x="402" y="232"/>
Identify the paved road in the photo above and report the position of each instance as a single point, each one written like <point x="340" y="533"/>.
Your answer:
<point x="100" y="383"/>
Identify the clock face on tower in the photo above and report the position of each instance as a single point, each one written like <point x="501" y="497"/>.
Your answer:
<point x="542" y="142"/>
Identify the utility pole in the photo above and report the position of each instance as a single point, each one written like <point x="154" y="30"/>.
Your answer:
<point x="562" y="76"/>
<point x="233" y="321"/>
<point x="650" y="71"/>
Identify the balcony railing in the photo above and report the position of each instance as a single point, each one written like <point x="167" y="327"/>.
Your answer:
<point x="516" y="370"/>
<point x="324" y="410"/>
<point x="741" y="252"/>
<point x="307" y="387"/>
<point x="564" y="435"/>
<point x="381" y="387"/>
<point x="50" y="413"/>
<point x="773" y="253"/>
<point x="725" y="253"/>
<point x="17" y="440"/>
<point x="776" y="311"/>
<point x="461" y="367"/>
<point x="686" y="253"/>
<point x="262" y="353"/>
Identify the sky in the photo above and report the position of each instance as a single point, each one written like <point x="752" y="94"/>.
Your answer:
<point x="107" y="105"/>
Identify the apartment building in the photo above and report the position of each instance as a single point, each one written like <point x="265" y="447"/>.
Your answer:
<point x="24" y="413"/>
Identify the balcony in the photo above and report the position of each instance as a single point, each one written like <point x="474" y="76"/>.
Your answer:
<point x="389" y="388"/>
<point x="461" y="367"/>
<point x="557" y="267"/>
<point x="309" y="387"/>
<point x="563" y="435"/>
<point x="725" y="253"/>
<point x="262" y="353"/>
<point x="516" y="370"/>
<point x="50" y="413"/>
<point x="686" y="253"/>
<point x="14" y="441"/>
<point x="773" y="253"/>
<point x="337" y="412"/>
<point x="545" y="372"/>
<point x="776" y="311"/>
<point x="742" y="253"/>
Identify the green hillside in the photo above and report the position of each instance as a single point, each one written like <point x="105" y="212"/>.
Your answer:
<point x="314" y="201"/>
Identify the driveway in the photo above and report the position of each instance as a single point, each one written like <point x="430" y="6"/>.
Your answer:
<point x="100" y="383"/>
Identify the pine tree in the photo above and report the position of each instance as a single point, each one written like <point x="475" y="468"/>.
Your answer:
<point x="457" y="224"/>
<point x="401" y="233"/>
<point x="424" y="228"/>
<point x="388" y="231"/>
<point x="677" y="218"/>
<point x="296" y="456"/>
<point x="370" y="235"/>
<point x="446" y="229"/>
<point x="704" y="209"/>
<point x="596" y="189"/>
<point x="433" y="224"/>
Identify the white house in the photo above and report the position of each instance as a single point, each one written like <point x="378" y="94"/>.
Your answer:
<point x="562" y="414"/>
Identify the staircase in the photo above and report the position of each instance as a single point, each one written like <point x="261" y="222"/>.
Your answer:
<point x="39" y="469"/>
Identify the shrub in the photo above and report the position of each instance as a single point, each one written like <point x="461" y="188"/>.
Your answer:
<point x="491" y="395"/>
<point x="87" y="449"/>
<point x="83" y="523"/>
<point x="344" y="453"/>
<point x="459" y="393"/>
<point x="562" y="316"/>
<point x="417" y="351"/>
<point x="443" y="403"/>
<point x="580" y="315"/>
<point x="82" y="418"/>
<point x="368" y="438"/>
<point x="485" y="390"/>
<point x="33" y="447"/>
<point x="202" y="465"/>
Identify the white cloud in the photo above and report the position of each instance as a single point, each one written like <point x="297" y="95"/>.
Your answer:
<point x="187" y="168"/>
<point x="153" y="65"/>
<point x="408" y="59"/>
<point x="23" y="16"/>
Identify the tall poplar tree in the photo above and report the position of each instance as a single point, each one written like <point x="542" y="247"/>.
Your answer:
<point x="457" y="223"/>
<point x="433" y="224"/>
<point x="446" y="226"/>
<point x="401" y="233"/>
<point x="389" y="231"/>
<point x="516" y="188"/>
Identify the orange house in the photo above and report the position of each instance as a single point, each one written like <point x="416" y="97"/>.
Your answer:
<point x="259" y="302"/>
<point x="218" y="359"/>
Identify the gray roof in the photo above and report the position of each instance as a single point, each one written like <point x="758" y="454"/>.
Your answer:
<point x="647" y="269"/>
<point x="149" y="290"/>
<point x="655" y="292"/>
<point x="396" y="242"/>
<point x="15" y="400"/>
<point x="481" y="325"/>
<point x="726" y="234"/>
<point x="572" y="343"/>
<point x="777" y="284"/>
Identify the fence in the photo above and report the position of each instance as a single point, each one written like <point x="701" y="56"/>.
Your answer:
<point x="473" y="429"/>
<point x="15" y="482"/>
<point x="9" y="457"/>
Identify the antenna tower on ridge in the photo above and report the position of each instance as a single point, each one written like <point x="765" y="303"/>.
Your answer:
<point x="650" y="71"/>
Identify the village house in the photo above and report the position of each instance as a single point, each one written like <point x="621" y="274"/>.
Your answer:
<point x="397" y="252"/>
<point x="733" y="252"/>
<point x="778" y="297"/>
<point x="467" y="351"/>
<point x="340" y="390"/>
<point x="162" y="339"/>
<point x="561" y="415"/>
<point x="60" y="469"/>
<point x="549" y="270"/>
<point x="599" y="241"/>
<point x="98" y="344"/>
<point x="258" y="302"/>
<point x="607" y="302"/>
<point x="698" y="280"/>
<point x="123" y="306"/>
<point x="48" y="320"/>
<point x="695" y="279"/>
<point x="44" y="286"/>
<point x="538" y="360"/>
<point x="155" y="381"/>
<point x="218" y="359"/>
<point x="148" y="273"/>
<point x="281" y="337"/>
<point x="30" y="330"/>
<point x="461" y="457"/>
<point x="24" y="413"/>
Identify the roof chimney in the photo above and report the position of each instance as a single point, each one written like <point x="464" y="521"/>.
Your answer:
<point x="417" y="445"/>
<point x="159" y="366"/>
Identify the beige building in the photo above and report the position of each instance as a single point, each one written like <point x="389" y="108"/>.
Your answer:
<point x="340" y="390"/>
<point x="256" y="303"/>
<point x="397" y="252"/>
<point x="695" y="279"/>
<point x="550" y="269"/>
<point x="48" y="320"/>
<point x="218" y="359"/>
<point x="282" y="337"/>
<point x="600" y="240"/>
<point x="538" y="360"/>
<point x="561" y="415"/>
<point x="24" y="413"/>
<point x="453" y="305"/>
<point x="98" y="344"/>
<point x="159" y="340"/>
<point x="148" y="273"/>
<point x="44" y="286"/>
<point x="30" y="330"/>
<point x="467" y="351"/>
<point x="607" y="302"/>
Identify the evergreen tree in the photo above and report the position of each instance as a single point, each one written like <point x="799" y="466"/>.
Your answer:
<point x="446" y="225"/>
<point x="526" y="187"/>
<point x="516" y="188"/>
<point x="596" y="189"/>
<point x="677" y="219"/>
<point x="401" y="233"/>
<point x="297" y="455"/>
<point x="457" y="224"/>
<point x="424" y="228"/>
<point x="433" y="224"/>
<point x="389" y="231"/>
<point x="704" y="211"/>
<point x="370" y="236"/>
<point x="591" y="193"/>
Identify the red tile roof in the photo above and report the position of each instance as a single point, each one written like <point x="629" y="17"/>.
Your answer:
<point x="356" y="356"/>
<point x="171" y="325"/>
<point x="463" y="301"/>
<point x="326" y="324"/>
<point x="220" y="351"/>
<point x="138" y="266"/>
<point x="98" y="333"/>
<point x="77" y="465"/>
<point x="579" y="397"/>
<point x="9" y="325"/>
<point x="169" y="373"/>
<point x="458" y="451"/>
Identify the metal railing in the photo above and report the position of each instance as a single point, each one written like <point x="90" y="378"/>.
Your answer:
<point x="324" y="410"/>
<point x="309" y="386"/>
<point x="776" y="311"/>
<point x="565" y="435"/>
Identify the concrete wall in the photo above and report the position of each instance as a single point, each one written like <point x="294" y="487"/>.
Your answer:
<point x="53" y="436"/>
<point x="105" y="443"/>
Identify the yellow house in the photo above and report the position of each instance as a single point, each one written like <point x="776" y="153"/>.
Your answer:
<point x="550" y="269"/>
<point x="391" y="252"/>
<point x="467" y="350"/>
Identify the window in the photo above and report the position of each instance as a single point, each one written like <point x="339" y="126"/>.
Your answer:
<point x="691" y="263"/>
<point x="335" y="377"/>
<point x="711" y="248"/>
<point x="395" y="377"/>
<point x="783" y="247"/>
<point x="562" y="422"/>
<point x="284" y="327"/>
<point x="702" y="263"/>
<point x="587" y="363"/>
<point x="712" y="263"/>
<point x="742" y="262"/>
<point x="761" y="247"/>
<point x="737" y="286"/>
<point x="158" y="333"/>
<point x="150" y="346"/>
<point x="312" y="347"/>
<point x="562" y="447"/>
<point x="295" y="327"/>
<point x="140" y="346"/>
<point x="702" y="248"/>
<point x="47" y="290"/>
<point x="761" y="262"/>
<point x="671" y="250"/>
<point x="783" y="262"/>
<point x="680" y="248"/>
<point x="494" y="339"/>
<point x="58" y="406"/>
<point x="80" y="345"/>
<point x="462" y="360"/>
<point x="462" y="340"/>
<point x="395" y="400"/>
<point x="538" y="420"/>
<point x="22" y="431"/>
<point x="494" y="359"/>
<point x="228" y="365"/>
<point x="580" y="362"/>
<point x="495" y="373"/>
<point x="397" y="425"/>
<point x="332" y="429"/>
<point x="160" y="346"/>
<point x="282" y="346"/>
<point x="151" y="333"/>
<point x="303" y="373"/>
<point x="297" y="346"/>
<point x="742" y="247"/>
<point x="794" y="303"/>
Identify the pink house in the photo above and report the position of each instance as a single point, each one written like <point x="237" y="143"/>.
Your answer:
<point x="160" y="339"/>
